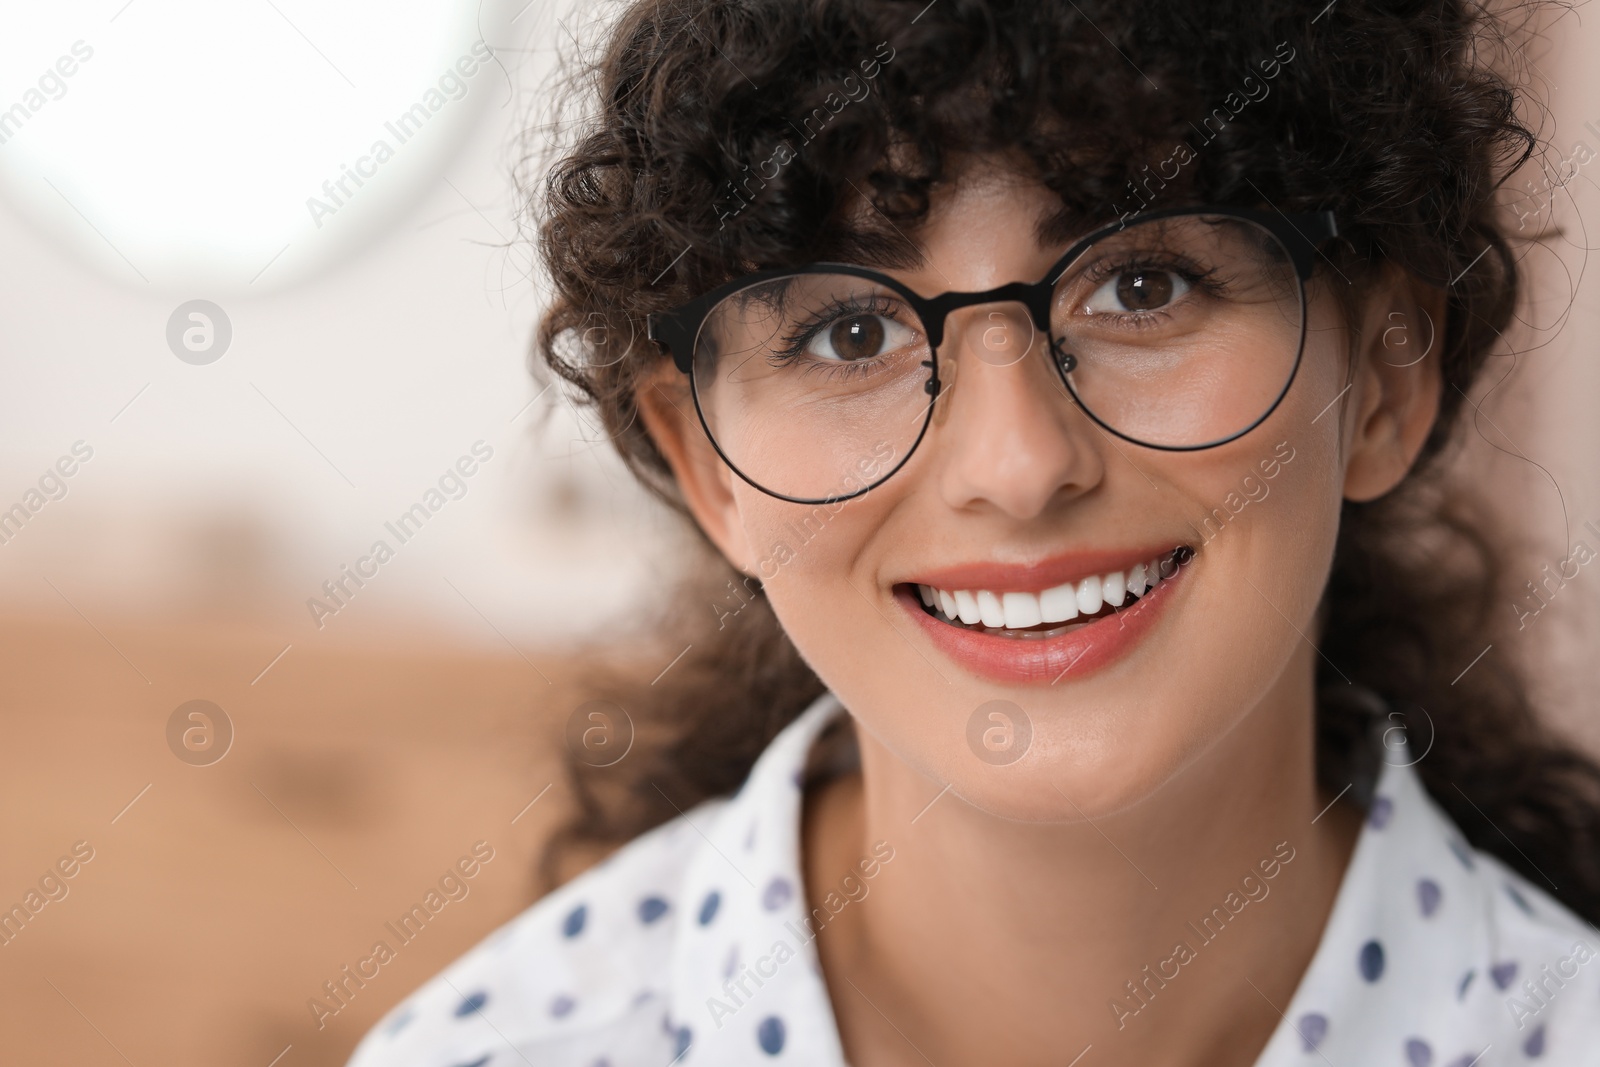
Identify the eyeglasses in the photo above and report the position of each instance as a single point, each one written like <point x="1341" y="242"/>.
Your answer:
<point x="1180" y="330"/>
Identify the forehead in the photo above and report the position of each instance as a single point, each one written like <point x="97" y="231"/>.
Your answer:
<point x="988" y="212"/>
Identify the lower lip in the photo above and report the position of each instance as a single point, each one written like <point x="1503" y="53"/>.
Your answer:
<point x="1046" y="659"/>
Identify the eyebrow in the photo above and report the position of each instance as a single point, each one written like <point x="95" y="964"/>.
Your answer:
<point x="877" y="249"/>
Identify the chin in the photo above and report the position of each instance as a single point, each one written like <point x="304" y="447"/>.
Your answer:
<point x="1092" y="767"/>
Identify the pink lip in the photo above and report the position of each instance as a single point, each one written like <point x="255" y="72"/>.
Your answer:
<point x="1014" y="660"/>
<point x="1034" y="577"/>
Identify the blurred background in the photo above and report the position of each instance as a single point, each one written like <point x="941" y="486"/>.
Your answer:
<point x="265" y="303"/>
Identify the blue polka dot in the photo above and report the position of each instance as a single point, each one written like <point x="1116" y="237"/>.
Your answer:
<point x="651" y="909"/>
<point x="1419" y="1053"/>
<point x="1534" y="1046"/>
<point x="778" y="893"/>
<point x="572" y="926"/>
<point x="1504" y="973"/>
<point x="1462" y="853"/>
<point x="1313" y="1028"/>
<point x="1428" y="896"/>
<point x="770" y="1035"/>
<point x="399" y="1022"/>
<point x="1466" y="982"/>
<point x="1379" y="814"/>
<point x="1518" y="899"/>
<point x="708" y="908"/>
<point x="560" y="1006"/>
<point x="473" y="1003"/>
<point x="683" y="1039"/>
<point x="1371" y="961"/>
<point x="479" y="1062"/>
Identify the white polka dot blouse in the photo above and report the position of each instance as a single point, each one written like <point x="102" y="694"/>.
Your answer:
<point x="693" y="945"/>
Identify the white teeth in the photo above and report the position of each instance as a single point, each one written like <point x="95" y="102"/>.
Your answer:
<point x="989" y="609"/>
<point x="1022" y="610"/>
<point x="1061" y="603"/>
<point x="1136" y="582"/>
<point x="1089" y="595"/>
<point x="967" y="607"/>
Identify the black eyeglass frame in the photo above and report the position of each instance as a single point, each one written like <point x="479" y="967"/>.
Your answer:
<point x="677" y="329"/>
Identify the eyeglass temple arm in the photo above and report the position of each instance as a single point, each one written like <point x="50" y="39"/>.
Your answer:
<point x="664" y="329"/>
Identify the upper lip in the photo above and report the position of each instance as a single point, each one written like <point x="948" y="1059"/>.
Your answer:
<point x="1042" y="574"/>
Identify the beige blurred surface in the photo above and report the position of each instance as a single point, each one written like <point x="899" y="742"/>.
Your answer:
<point x="217" y="904"/>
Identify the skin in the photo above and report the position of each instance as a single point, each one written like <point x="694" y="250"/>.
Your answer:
<point x="1022" y="897"/>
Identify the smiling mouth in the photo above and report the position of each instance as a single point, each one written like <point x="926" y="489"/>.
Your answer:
<point x="1051" y="612"/>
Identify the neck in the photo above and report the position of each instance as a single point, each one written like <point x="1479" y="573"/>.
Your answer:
<point x="988" y="940"/>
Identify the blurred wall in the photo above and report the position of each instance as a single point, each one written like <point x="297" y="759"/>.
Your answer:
<point x="385" y="343"/>
<point x="1533" y="442"/>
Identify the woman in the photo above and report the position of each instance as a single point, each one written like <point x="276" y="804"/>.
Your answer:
<point x="1103" y="659"/>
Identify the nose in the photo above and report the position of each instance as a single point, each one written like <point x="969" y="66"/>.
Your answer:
<point x="1009" y="436"/>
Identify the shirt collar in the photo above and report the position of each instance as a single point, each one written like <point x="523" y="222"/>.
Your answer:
<point x="745" y="972"/>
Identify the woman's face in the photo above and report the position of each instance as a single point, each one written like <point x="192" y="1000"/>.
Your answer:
<point x="1014" y="490"/>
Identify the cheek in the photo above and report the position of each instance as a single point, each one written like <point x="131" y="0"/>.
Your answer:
<point x="1266" y="558"/>
<point x="817" y="566"/>
<point x="804" y="556"/>
<point x="793" y="546"/>
<point x="1277" y="491"/>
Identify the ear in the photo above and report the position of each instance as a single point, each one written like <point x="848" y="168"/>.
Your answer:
<point x="1397" y="383"/>
<point x="705" y="482"/>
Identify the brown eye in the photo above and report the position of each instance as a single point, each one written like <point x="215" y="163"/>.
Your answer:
<point x="1144" y="290"/>
<point x="859" y="337"/>
<point x="1137" y="290"/>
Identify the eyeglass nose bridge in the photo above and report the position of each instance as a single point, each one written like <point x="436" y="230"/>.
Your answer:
<point x="1034" y="296"/>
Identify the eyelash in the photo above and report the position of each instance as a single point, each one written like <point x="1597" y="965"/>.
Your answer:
<point x="804" y="334"/>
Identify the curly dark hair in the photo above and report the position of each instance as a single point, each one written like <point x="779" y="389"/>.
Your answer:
<point x="729" y="135"/>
